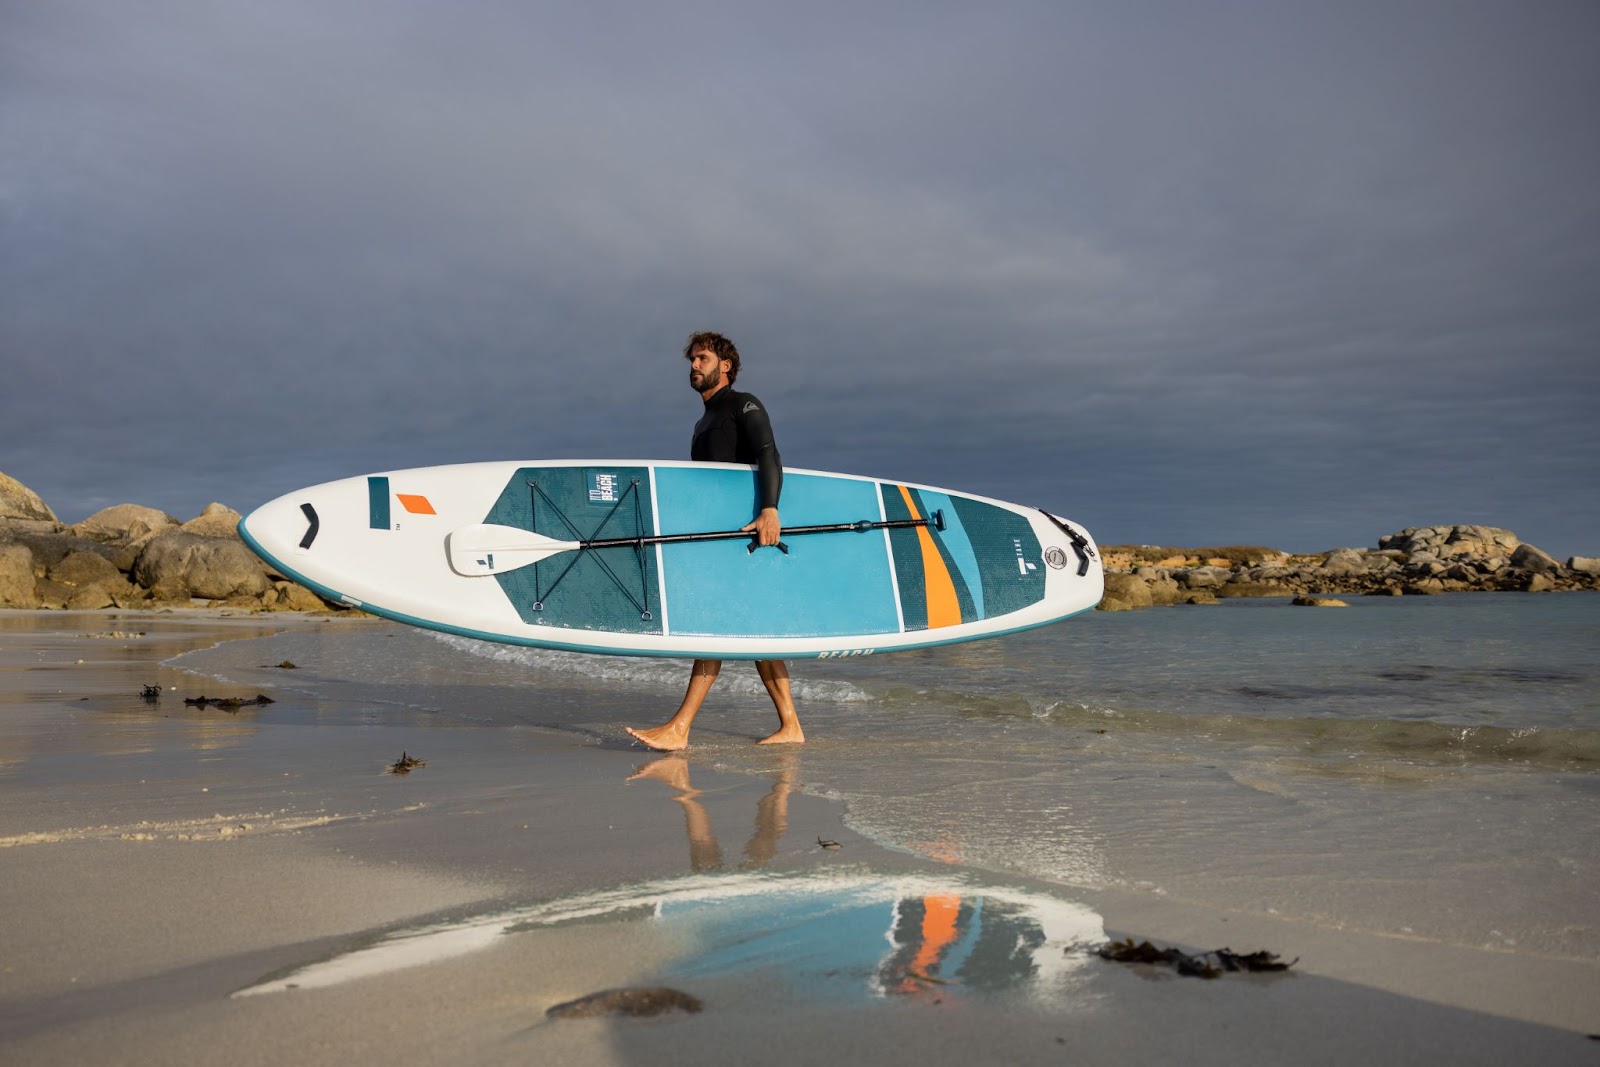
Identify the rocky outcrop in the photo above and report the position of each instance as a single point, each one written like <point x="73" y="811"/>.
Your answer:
<point x="1420" y="561"/>
<point x="132" y="556"/>
<point x="17" y="501"/>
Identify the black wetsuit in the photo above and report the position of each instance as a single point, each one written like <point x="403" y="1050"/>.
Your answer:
<point x="735" y="429"/>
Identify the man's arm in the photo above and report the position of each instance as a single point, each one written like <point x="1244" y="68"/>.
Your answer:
<point x="756" y="430"/>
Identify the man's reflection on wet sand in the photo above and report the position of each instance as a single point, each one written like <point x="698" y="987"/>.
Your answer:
<point x="772" y="812"/>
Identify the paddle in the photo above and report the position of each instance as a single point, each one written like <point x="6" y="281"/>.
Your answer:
<point x="485" y="548"/>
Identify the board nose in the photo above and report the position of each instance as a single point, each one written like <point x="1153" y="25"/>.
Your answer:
<point x="279" y="527"/>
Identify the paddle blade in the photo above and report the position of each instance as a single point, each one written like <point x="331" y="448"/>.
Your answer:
<point x="483" y="549"/>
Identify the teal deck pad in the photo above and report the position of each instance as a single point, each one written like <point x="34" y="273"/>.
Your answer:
<point x="575" y="590"/>
<point x="378" y="503"/>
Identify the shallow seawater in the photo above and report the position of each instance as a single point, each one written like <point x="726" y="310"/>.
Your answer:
<point x="843" y="936"/>
<point x="1426" y="766"/>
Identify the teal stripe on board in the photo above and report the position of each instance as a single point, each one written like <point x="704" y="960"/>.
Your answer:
<point x="378" y="503"/>
<point x="907" y="561"/>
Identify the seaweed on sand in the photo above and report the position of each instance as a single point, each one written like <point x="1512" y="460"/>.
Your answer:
<point x="228" y="703"/>
<point x="1212" y="964"/>
<point x="406" y="763"/>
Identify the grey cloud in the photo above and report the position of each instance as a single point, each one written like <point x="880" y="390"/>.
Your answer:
<point x="1284" y="270"/>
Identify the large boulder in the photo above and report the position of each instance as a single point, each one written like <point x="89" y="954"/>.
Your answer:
<point x="214" y="568"/>
<point x="1584" y="564"/>
<point x="17" y="501"/>
<point x="16" y="577"/>
<point x="217" y="520"/>
<point x="84" y="569"/>
<point x="1344" y="561"/>
<point x="1532" y="559"/>
<point x="123" y="522"/>
<point x="1125" y="592"/>
<point x="1203" y="577"/>
<point x="1164" y="590"/>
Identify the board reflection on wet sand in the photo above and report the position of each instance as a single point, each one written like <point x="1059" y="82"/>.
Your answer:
<point x="836" y="932"/>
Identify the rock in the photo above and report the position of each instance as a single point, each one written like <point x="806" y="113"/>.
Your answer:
<point x="1236" y="589"/>
<point x="93" y="597"/>
<point x="52" y="594"/>
<point x="17" y="501"/>
<point x="173" y="588"/>
<point x="213" y="568"/>
<point x="1584" y="564"/>
<point x="1452" y="541"/>
<point x="49" y="543"/>
<point x="123" y="522"/>
<point x="293" y="597"/>
<point x="1532" y="559"/>
<point x="217" y="520"/>
<point x="1344" y="561"/>
<point x="84" y="569"/>
<point x="1201" y="597"/>
<point x="17" y="589"/>
<point x="1203" y="577"/>
<point x="1319" y="602"/>
<point x="1540" y="582"/>
<point x="1163" y="590"/>
<point x="1125" y="589"/>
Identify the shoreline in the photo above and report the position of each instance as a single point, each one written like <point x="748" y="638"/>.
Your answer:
<point x="162" y="858"/>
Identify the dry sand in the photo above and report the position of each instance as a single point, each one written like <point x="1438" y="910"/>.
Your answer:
<point x="156" y="861"/>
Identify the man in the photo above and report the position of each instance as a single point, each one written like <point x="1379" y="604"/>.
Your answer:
<point x="734" y="429"/>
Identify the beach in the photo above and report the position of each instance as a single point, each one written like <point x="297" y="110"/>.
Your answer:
<point x="925" y="881"/>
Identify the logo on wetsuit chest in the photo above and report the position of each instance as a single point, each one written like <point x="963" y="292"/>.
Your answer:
<point x="602" y="488"/>
<point x="749" y="406"/>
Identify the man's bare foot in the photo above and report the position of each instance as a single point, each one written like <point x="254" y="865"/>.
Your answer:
<point x="662" y="738"/>
<point x="786" y="735"/>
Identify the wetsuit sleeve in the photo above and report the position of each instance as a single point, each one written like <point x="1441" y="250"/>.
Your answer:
<point x="756" y="432"/>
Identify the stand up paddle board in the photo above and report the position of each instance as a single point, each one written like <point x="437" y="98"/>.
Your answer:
<point x="645" y="558"/>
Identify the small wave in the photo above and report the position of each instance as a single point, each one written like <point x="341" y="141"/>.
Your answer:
<point x="660" y="674"/>
<point x="1576" y="748"/>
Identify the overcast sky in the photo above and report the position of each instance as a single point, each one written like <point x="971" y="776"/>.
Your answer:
<point x="1299" y="274"/>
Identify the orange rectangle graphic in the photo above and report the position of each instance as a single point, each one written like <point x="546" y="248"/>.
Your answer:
<point x="416" y="505"/>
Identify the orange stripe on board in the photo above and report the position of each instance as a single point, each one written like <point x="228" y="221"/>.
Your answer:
<point x="417" y="505"/>
<point x="944" y="609"/>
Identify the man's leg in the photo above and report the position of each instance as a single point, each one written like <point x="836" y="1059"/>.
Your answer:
<point x="674" y="733"/>
<point x="775" y="676"/>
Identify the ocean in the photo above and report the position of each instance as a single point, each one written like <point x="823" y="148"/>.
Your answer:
<point x="1425" y="767"/>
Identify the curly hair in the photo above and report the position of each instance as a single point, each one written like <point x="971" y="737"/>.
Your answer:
<point x="719" y="346"/>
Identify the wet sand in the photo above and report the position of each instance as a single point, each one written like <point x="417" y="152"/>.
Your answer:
<point x="202" y="886"/>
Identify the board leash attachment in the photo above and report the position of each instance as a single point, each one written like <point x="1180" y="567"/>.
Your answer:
<point x="1080" y="543"/>
<point x="484" y="549"/>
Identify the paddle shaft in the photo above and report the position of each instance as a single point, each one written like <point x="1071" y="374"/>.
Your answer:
<point x="936" y="521"/>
